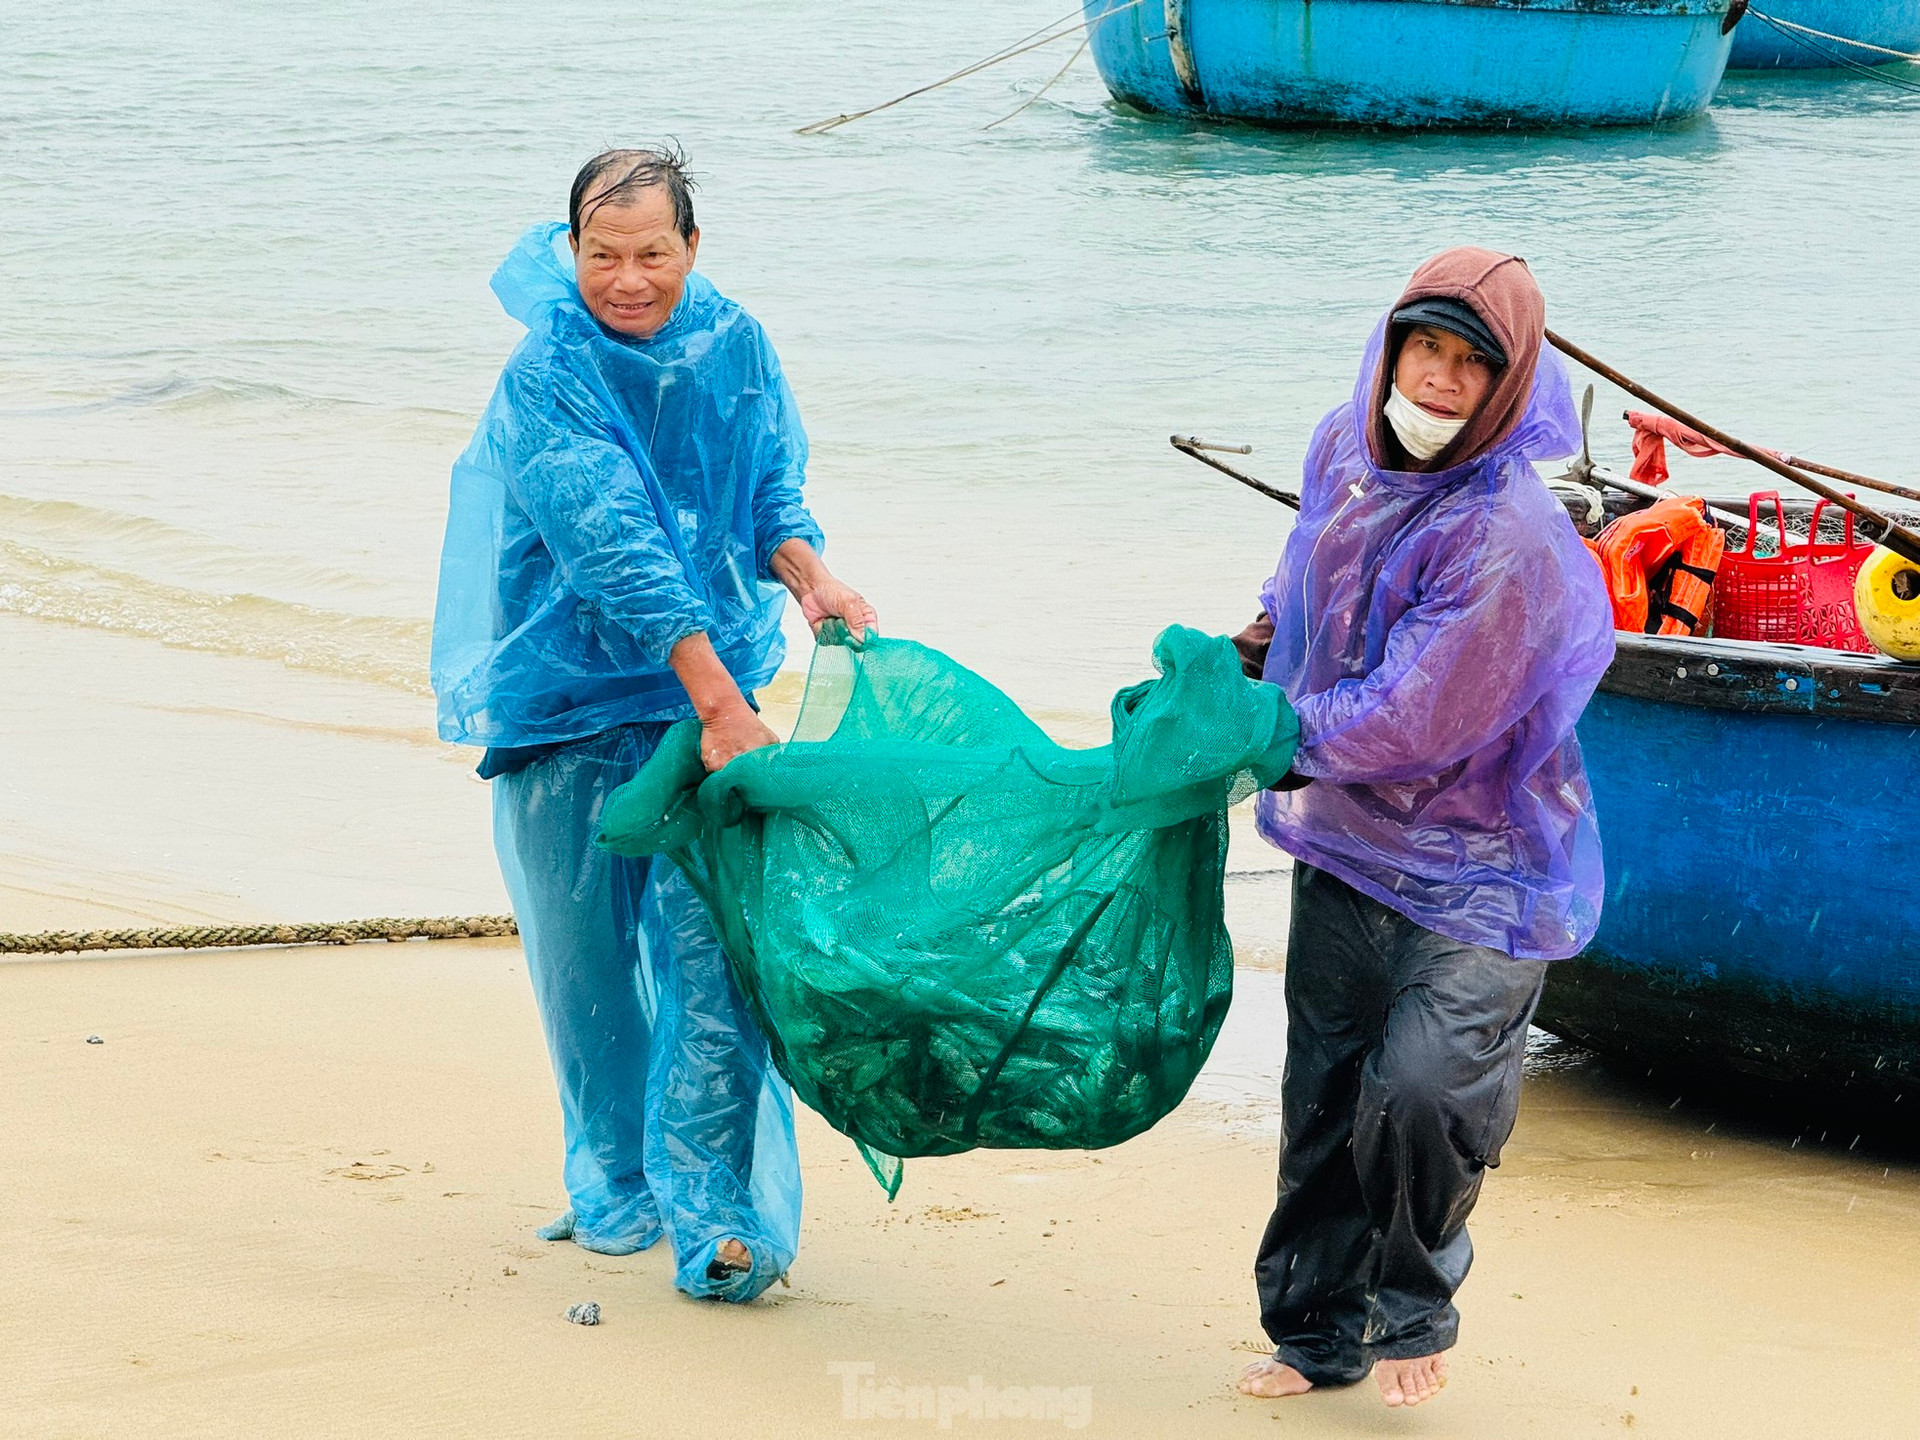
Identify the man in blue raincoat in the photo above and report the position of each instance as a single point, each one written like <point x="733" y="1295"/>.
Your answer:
<point x="623" y="532"/>
<point x="1439" y="627"/>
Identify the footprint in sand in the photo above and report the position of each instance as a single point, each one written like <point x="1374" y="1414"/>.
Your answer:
<point x="956" y="1213"/>
<point x="367" y="1170"/>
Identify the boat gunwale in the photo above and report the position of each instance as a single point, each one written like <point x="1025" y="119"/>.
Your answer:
<point x="1764" y="677"/>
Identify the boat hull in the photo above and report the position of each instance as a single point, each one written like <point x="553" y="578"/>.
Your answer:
<point x="1893" y="24"/>
<point x="1762" y="919"/>
<point x="1413" y="63"/>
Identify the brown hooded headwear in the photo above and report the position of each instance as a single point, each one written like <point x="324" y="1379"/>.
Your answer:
<point x="1503" y="294"/>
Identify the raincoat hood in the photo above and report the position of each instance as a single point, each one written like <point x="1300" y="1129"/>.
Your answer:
<point x="1528" y="414"/>
<point x="1439" y="633"/>
<point x="536" y="280"/>
<point x="533" y="279"/>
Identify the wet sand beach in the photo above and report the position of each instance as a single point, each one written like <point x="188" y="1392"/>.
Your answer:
<point x="293" y="1194"/>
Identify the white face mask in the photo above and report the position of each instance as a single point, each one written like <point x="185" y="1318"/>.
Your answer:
<point x="1424" y="435"/>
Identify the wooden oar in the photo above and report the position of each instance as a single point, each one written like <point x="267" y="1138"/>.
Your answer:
<point x="1876" y="525"/>
<point x="1194" y="446"/>
<point x="1885" y="487"/>
<point x="1866" y="482"/>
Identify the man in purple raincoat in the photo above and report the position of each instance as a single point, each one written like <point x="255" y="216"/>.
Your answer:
<point x="1439" y="627"/>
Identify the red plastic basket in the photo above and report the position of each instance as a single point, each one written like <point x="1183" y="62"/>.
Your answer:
<point x="1802" y="595"/>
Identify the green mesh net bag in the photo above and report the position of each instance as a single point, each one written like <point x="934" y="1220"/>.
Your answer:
<point x="955" y="932"/>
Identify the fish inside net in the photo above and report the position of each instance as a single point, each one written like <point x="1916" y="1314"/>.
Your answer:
<point x="956" y="932"/>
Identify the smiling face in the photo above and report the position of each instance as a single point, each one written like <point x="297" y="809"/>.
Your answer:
<point x="631" y="263"/>
<point x="1443" y="374"/>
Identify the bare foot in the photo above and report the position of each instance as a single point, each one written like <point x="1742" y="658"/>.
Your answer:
<point x="1270" y="1380"/>
<point x="1408" y="1382"/>
<point x="732" y="1257"/>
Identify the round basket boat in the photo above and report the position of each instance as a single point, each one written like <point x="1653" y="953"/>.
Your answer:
<point x="1414" y="63"/>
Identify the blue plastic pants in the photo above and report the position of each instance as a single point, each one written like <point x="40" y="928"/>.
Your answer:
<point x="675" y="1121"/>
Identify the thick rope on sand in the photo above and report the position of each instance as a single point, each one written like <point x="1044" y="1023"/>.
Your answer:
<point x="196" y="937"/>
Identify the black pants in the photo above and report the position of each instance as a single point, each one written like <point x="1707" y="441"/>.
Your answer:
<point x="1402" y="1083"/>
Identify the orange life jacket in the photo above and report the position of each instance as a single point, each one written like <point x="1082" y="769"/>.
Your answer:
<point x="1660" y="564"/>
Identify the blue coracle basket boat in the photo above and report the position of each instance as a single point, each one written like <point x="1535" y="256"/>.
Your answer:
<point x="1890" y="24"/>
<point x="1762" y="919"/>
<point x="1467" y="63"/>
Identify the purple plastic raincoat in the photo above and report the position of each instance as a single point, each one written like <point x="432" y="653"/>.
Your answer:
<point x="1439" y="634"/>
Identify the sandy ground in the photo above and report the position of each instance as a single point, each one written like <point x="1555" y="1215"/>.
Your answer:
<point x="145" y="785"/>
<point x="293" y="1192"/>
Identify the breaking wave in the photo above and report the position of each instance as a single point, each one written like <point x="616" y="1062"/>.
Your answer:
<point x="117" y="540"/>
<point x="184" y="393"/>
<point x="384" y="650"/>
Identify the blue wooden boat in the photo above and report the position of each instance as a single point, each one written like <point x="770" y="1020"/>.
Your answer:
<point x="1891" y="24"/>
<point x="1762" y="920"/>
<point x="1409" y="63"/>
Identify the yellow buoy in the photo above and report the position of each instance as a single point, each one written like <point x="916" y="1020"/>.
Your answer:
<point x="1886" y="596"/>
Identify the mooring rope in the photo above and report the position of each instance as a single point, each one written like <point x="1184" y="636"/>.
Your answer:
<point x="1017" y="48"/>
<point x="1778" y="23"/>
<point x="197" y="937"/>
<point x="1059" y="75"/>
<point x="1786" y="28"/>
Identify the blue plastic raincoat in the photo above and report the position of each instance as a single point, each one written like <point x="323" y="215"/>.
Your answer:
<point x="619" y="496"/>
<point x="1439" y="635"/>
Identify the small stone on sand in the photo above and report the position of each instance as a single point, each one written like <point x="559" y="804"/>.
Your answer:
<point x="585" y="1313"/>
<point x="95" y="1040"/>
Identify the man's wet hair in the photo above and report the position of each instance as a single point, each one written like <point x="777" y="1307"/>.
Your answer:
<point x="619" y="177"/>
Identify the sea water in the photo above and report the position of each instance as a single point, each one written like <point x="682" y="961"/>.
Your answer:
<point x="245" y="324"/>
